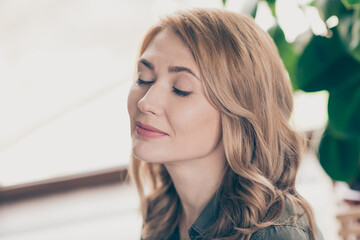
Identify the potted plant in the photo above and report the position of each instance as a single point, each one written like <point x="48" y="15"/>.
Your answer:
<point x="330" y="63"/>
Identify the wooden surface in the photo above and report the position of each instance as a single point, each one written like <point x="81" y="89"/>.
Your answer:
<point x="62" y="184"/>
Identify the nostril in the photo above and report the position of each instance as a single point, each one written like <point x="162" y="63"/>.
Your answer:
<point x="146" y="107"/>
<point x="152" y="102"/>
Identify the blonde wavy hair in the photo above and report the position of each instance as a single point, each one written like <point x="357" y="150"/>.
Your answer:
<point x="245" y="79"/>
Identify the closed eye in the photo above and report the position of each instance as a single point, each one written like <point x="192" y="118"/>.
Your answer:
<point x="175" y="90"/>
<point x="181" y="93"/>
<point x="142" y="82"/>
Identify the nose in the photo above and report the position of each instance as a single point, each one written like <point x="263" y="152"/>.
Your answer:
<point x="151" y="102"/>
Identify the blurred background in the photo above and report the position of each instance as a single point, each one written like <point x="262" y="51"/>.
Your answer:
<point x="65" y="71"/>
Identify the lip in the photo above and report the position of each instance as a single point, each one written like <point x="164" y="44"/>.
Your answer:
<point x="145" y="130"/>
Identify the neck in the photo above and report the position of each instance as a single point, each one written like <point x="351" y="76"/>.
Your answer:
<point x="196" y="181"/>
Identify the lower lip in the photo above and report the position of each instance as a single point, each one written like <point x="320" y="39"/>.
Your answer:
<point x="149" y="134"/>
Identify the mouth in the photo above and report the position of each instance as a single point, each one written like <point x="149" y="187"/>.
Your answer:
<point x="148" y="131"/>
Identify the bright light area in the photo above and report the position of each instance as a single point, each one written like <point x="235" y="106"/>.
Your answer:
<point x="310" y="111"/>
<point x="291" y="19"/>
<point x="264" y="17"/>
<point x="66" y="68"/>
<point x="332" y="21"/>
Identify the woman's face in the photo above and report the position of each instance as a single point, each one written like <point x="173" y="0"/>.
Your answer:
<point x="167" y="94"/>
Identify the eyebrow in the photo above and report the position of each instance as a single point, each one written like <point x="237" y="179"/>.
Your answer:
<point x="171" y="69"/>
<point x="175" y="69"/>
<point x="147" y="63"/>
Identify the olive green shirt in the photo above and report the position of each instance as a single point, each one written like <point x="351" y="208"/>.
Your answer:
<point x="283" y="231"/>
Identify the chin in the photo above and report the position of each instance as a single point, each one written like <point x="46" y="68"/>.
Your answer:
<point x="146" y="157"/>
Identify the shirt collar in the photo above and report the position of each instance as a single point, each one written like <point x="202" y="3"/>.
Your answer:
<point x="206" y="218"/>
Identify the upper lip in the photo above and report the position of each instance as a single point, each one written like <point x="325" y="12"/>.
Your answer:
<point x="148" y="127"/>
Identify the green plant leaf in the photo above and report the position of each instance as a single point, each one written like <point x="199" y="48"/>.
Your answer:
<point x="339" y="156"/>
<point x="328" y="8"/>
<point x="344" y="110"/>
<point x="254" y="11"/>
<point x="349" y="32"/>
<point x="224" y="2"/>
<point x="325" y="65"/>
<point x="272" y="4"/>
<point x="250" y="8"/>
<point x="351" y="2"/>
<point x="286" y="52"/>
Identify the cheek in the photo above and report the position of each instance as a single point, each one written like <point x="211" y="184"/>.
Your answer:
<point x="199" y="122"/>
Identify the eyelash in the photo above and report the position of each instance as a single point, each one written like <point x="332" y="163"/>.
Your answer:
<point x="175" y="90"/>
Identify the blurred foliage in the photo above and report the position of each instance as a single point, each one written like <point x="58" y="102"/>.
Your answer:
<point x="332" y="63"/>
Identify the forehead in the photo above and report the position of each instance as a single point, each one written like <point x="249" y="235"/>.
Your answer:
<point x="168" y="47"/>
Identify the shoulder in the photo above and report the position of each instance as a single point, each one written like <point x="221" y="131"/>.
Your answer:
<point x="281" y="232"/>
<point x="284" y="229"/>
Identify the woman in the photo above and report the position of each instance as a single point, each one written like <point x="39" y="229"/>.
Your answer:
<point x="213" y="155"/>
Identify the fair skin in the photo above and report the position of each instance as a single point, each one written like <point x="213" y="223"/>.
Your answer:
<point x="170" y="97"/>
